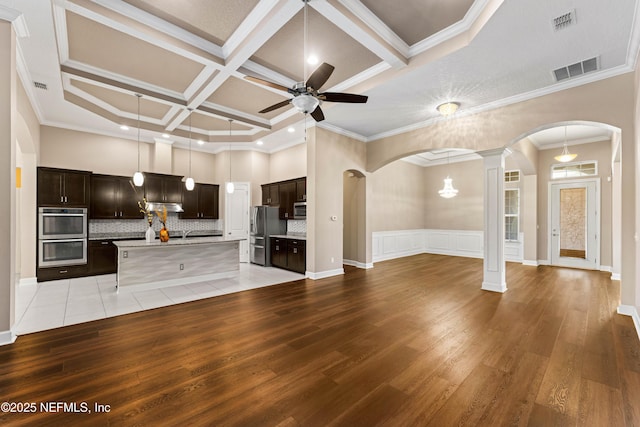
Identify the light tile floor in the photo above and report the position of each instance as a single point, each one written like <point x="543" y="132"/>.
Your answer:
<point x="53" y="304"/>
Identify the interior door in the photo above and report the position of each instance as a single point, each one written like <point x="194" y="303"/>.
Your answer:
<point x="574" y="239"/>
<point x="237" y="217"/>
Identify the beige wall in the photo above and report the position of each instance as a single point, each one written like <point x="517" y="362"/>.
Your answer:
<point x="598" y="151"/>
<point x="398" y="200"/>
<point x="288" y="164"/>
<point x="466" y="210"/>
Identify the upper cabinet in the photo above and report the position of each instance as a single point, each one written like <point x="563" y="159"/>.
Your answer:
<point x="163" y="188"/>
<point x="284" y="194"/>
<point x="63" y="187"/>
<point x="114" y="197"/>
<point x="201" y="203"/>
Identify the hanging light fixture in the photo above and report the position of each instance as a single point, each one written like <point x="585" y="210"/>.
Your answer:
<point x="448" y="191"/>
<point x="565" y="156"/>
<point x="138" y="178"/>
<point x="230" y="187"/>
<point x="190" y="183"/>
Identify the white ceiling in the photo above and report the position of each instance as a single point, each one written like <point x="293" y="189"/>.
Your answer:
<point x="95" y="54"/>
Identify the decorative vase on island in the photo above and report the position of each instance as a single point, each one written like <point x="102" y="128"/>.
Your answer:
<point x="150" y="235"/>
<point x="164" y="235"/>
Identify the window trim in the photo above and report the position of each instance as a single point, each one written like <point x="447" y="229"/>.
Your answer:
<point x="512" y="171"/>
<point x="516" y="215"/>
<point x="557" y="166"/>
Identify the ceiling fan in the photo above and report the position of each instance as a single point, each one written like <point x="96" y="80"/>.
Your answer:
<point x="306" y="97"/>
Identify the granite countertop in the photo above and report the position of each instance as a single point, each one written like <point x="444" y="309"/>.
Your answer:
<point x="293" y="236"/>
<point x="176" y="234"/>
<point x="175" y="242"/>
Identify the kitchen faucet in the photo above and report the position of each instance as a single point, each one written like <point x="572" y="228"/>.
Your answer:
<point x="185" y="233"/>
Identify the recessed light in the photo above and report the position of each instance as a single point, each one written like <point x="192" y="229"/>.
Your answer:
<point x="291" y="130"/>
<point x="124" y="127"/>
<point x="259" y="142"/>
<point x="165" y="135"/>
<point x="448" y="108"/>
<point x="312" y="60"/>
<point x="200" y="142"/>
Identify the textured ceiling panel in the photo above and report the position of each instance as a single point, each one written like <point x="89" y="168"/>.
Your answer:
<point x="247" y="97"/>
<point x="416" y="20"/>
<point x="284" y="51"/>
<point x="104" y="48"/>
<point x="124" y="102"/>
<point x="213" y="20"/>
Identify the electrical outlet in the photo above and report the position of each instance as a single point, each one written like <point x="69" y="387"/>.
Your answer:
<point x="125" y="254"/>
<point x="181" y="266"/>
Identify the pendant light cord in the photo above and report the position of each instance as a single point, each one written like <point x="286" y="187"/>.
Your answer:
<point x="304" y="48"/>
<point x="190" y="110"/>
<point x="139" y="96"/>
<point x="230" y="121"/>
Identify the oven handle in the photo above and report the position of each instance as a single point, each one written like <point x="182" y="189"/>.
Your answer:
<point x="62" y="214"/>
<point x="61" y="240"/>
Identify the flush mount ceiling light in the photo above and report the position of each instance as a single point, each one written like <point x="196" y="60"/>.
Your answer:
<point x="448" y="191"/>
<point x="138" y="178"/>
<point x="565" y="156"/>
<point x="230" y="186"/>
<point x="190" y="183"/>
<point x="448" y="108"/>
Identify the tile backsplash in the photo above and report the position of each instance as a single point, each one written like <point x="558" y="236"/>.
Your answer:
<point x="296" y="226"/>
<point x="99" y="226"/>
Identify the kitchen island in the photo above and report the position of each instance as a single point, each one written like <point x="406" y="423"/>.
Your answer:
<point x="176" y="262"/>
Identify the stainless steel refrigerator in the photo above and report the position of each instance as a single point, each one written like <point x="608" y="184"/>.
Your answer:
<point x="265" y="222"/>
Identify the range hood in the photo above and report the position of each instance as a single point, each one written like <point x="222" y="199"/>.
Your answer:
<point x="171" y="207"/>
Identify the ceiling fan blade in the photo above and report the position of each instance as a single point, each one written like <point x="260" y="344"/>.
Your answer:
<point x="343" y="97"/>
<point x="276" y="106"/>
<point x="317" y="114"/>
<point x="266" y="83"/>
<point x="320" y="76"/>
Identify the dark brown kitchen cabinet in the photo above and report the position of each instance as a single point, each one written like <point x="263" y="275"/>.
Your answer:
<point x="301" y="190"/>
<point x="201" y="203"/>
<point x="163" y="188"/>
<point x="63" y="187"/>
<point x="56" y="273"/>
<point x="289" y="254"/>
<point x="114" y="197"/>
<point x="102" y="257"/>
<point x="270" y="194"/>
<point x="287" y="193"/>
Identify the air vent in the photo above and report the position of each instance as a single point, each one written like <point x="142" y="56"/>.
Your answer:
<point x="577" y="69"/>
<point x="40" y="85"/>
<point x="563" y="21"/>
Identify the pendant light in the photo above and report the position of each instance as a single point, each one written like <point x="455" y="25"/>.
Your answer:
<point x="138" y="178"/>
<point x="448" y="191"/>
<point x="230" y="187"/>
<point x="189" y="183"/>
<point x="565" y="156"/>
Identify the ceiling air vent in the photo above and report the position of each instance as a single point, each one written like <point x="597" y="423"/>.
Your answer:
<point x="563" y="21"/>
<point x="39" y="85"/>
<point x="577" y="69"/>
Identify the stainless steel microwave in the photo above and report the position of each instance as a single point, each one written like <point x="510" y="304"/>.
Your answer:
<point x="300" y="210"/>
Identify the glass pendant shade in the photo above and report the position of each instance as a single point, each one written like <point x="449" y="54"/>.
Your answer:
<point x="230" y="187"/>
<point x="565" y="156"/>
<point x="138" y="179"/>
<point x="448" y="191"/>
<point x="190" y="184"/>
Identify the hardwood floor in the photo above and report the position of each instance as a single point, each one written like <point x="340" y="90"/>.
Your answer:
<point x="412" y="342"/>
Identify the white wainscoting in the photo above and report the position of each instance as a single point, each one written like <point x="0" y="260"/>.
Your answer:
<point x="397" y="244"/>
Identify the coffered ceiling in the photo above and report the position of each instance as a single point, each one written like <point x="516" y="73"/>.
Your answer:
<point x="407" y="57"/>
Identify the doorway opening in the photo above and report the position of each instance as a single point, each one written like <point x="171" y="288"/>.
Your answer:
<point x="354" y="238"/>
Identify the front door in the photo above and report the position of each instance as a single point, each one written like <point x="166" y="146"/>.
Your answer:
<point x="237" y="217"/>
<point x="574" y="239"/>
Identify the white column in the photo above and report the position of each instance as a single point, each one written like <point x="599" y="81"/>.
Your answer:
<point x="494" y="264"/>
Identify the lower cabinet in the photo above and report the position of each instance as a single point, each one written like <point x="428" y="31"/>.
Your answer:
<point x="290" y="254"/>
<point x="102" y="257"/>
<point x="55" y="273"/>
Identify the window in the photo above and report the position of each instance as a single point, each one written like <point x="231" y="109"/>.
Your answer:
<point x="512" y="176"/>
<point x="511" y="213"/>
<point x="574" y="170"/>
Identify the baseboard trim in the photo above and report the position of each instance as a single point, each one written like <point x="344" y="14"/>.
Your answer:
<point x="7" y="337"/>
<point x="530" y="263"/>
<point x="629" y="310"/>
<point x="492" y="287"/>
<point x="324" y="274"/>
<point x="28" y="281"/>
<point x="357" y="263"/>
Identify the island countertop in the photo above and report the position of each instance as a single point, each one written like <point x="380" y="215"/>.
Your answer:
<point x="175" y="241"/>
